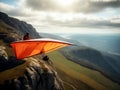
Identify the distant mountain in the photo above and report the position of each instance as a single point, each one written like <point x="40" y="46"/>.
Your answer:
<point x="55" y="36"/>
<point x="107" y="63"/>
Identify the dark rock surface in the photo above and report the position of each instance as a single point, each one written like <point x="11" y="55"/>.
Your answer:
<point x="36" y="76"/>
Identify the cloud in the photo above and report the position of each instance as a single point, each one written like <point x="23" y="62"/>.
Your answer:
<point x="82" y="20"/>
<point x="115" y="19"/>
<point x="40" y="4"/>
<point x="6" y="7"/>
<point x="95" y="6"/>
<point x="17" y="10"/>
<point x="45" y="13"/>
<point x="84" y="6"/>
<point x="11" y="9"/>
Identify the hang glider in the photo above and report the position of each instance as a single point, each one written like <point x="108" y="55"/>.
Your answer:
<point x="27" y="48"/>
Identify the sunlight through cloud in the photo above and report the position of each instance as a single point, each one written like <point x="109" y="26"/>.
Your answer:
<point x="65" y="2"/>
<point x="66" y="14"/>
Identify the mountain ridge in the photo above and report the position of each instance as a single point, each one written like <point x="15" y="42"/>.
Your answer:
<point x="20" y="26"/>
<point x="28" y="74"/>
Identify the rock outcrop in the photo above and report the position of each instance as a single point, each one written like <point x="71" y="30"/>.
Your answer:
<point x="31" y="74"/>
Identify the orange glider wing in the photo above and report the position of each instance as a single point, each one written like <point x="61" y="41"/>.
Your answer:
<point x="27" y="48"/>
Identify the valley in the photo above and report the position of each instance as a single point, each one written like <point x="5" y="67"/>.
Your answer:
<point x="81" y="77"/>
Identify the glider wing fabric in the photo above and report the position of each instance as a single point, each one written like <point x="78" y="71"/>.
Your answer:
<point x="27" y="48"/>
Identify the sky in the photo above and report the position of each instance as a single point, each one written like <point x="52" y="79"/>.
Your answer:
<point x="67" y="16"/>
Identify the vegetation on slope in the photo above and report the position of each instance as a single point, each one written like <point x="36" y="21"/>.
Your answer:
<point x="105" y="63"/>
<point x="90" y="78"/>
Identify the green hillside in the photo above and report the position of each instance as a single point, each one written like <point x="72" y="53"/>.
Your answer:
<point x="80" y="77"/>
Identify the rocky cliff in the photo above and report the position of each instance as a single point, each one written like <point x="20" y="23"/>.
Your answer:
<point x="28" y="74"/>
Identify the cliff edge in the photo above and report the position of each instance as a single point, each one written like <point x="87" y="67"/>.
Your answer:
<point x="29" y="74"/>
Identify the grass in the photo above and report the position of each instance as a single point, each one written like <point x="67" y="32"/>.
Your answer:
<point x="71" y="83"/>
<point x="92" y="78"/>
<point x="13" y="73"/>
